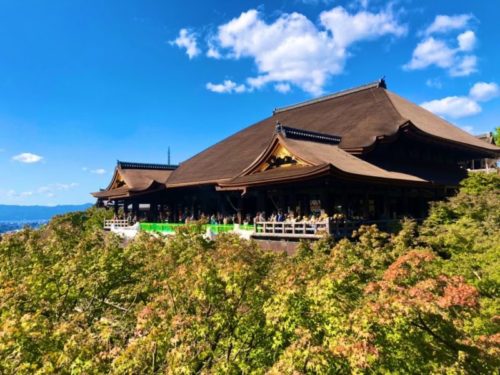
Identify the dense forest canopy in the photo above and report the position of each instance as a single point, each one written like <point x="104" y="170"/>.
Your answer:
<point x="75" y="299"/>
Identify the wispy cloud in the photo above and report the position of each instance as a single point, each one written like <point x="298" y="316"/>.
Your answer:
<point x="14" y="194"/>
<point x="27" y="157"/>
<point x="225" y="87"/>
<point x="99" y="171"/>
<point x="50" y="191"/>
<point x="445" y="23"/>
<point x="434" y="83"/>
<point x="292" y="50"/>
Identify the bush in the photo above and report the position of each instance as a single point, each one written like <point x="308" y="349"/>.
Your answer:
<point x="75" y="299"/>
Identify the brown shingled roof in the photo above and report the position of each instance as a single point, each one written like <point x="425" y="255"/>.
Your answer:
<point x="134" y="179"/>
<point x="359" y="116"/>
<point x="322" y="158"/>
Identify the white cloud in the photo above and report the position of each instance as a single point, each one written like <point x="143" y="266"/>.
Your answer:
<point x="465" y="66"/>
<point x="98" y="171"/>
<point x="463" y="106"/>
<point x="483" y="91"/>
<point x="50" y="190"/>
<point x="187" y="40"/>
<point x="348" y="28"/>
<point x="449" y="53"/>
<point x="440" y="53"/>
<point x="27" y="157"/>
<point x="14" y="194"/>
<point x="213" y="52"/>
<point x="434" y="83"/>
<point x="466" y="41"/>
<point x="431" y="52"/>
<point x="282" y="87"/>
<point x="226" y="87"/>
<point x="65" y="186"/>
<point x="444" y="23"/>
<point x="293" y="50"/>
<point x="316" y="2"/>
<point x="453" y="106"/>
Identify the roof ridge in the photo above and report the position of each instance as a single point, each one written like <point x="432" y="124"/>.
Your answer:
<point x="379" y="83"/>
<point x="136" y="165"/>
<point x="307" y="135"/>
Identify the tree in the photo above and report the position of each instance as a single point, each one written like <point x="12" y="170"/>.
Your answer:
<point x="496" y="135"/>
<point x="76" y="299"/>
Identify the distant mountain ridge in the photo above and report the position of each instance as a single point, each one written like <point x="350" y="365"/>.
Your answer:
<point x="18" y="213"/>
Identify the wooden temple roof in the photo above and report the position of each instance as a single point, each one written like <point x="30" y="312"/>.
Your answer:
<point x="130" y="179"/>
<point x="314" y="159"/>
<point x="358" y="118"/>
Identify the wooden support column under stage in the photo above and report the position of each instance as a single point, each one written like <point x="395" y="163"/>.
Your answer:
<point x="239" y="214"/>
<point x="326" y="202"/>
<point x="153" y="211"/>
<point x="366" y="207"/>
<point x="261" y="201"/>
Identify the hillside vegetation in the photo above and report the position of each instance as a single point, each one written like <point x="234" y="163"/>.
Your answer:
<point x="75" y="300"/>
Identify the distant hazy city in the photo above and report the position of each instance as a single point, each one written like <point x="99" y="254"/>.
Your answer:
<point x="13" y="217"/>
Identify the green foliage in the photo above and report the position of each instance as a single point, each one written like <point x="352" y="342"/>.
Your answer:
<point x="496" y="135"/>
<point x="77" y="300"/>
<point x="479" y="182"/>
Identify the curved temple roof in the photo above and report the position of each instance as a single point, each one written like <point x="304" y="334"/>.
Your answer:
<point x="319" y="159"/>
<point x="136" y="178"/>
<point x="360" y="117"/>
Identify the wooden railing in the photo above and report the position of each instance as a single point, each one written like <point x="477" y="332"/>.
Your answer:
<point x="291" y="229"/>
<point x="297" y="230"/>
<point x="117" y="223"/>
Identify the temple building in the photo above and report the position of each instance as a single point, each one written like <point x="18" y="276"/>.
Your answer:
<point x="362" y="154"/>
<point x="488" y="165"/>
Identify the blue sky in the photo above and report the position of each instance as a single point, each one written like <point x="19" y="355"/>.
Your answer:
<point x="86" y="83"/>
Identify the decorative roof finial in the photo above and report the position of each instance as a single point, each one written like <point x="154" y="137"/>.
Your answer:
<point x="381" y="82"/>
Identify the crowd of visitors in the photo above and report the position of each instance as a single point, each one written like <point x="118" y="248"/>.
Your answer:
<point x="224" y="219"/>
<point x="290" y="217"/>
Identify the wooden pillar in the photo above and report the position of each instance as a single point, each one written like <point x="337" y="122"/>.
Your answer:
<point x="261" y="202"/>
<point x="344" y="203"/>
<point x="405" y="202"/>
<point x="326" y="201"/>
<point x="385" y="208"/>
<point x="153" y="211"/>
<point x="240" y="214"/>
<point x="135" y="210"/>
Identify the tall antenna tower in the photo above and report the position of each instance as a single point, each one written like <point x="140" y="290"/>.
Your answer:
<point x="168" y="155"/>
